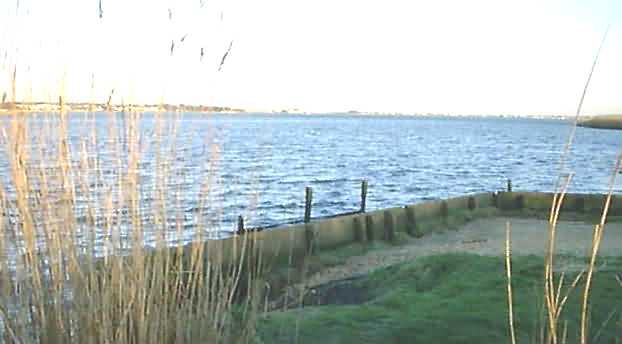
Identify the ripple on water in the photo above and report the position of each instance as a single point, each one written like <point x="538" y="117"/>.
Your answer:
<point x="405" y="160"/>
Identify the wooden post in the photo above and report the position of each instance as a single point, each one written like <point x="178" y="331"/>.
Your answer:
<point x="580" y="204"/>
<point x="240" y="224"/>
<point x="308" y="202"/>
<point x="389" y="227"/>
<point x="519" y="202"/>
<point x="444" y="211"/>
<point x="509" y="185"/>
<point x="309" y="239"/>
<point x="413" y="228"/>
<point x="360" y="234"/>
<point x="369" y="227"/>
<point x="471" y="203"/>
<point x="363" y="195"/>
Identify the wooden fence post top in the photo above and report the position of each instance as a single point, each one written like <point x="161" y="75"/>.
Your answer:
<point x="241" y="228"/>
<point x="308" y="203"/>
<point x="363" y="195"/>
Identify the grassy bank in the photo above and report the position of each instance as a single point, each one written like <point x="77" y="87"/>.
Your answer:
<point x="287" y="270"/>
<point x="453" y="298"/>
<point x="603" y="122"/>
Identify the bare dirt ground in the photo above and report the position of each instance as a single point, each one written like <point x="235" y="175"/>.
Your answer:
<point x="485" y="237"/>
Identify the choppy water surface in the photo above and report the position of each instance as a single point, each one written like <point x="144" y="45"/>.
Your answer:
<point x="262" y="163"/>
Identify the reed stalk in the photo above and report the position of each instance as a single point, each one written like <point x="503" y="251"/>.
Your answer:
<point x="74" y="223"/>
<point x="508" y="269"/>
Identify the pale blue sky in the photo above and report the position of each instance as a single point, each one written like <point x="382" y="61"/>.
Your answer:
<point x="469" y="57"/>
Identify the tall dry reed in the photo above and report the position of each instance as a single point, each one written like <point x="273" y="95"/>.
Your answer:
<point x="76" y="215"/>
<point x="555" y="293"/>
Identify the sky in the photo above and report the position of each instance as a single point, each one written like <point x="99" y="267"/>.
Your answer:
<point x="454" y="57"/>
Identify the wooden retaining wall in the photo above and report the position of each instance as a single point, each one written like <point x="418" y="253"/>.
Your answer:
<point x="282" y="244"/>
<point x="294" y="242"/>
<point x="541" y="201"/>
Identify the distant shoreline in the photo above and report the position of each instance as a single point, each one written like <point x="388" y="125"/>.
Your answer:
<point x="602" y="122"/>
<point x="86" y="107"/>
<point x="8" y="108"/>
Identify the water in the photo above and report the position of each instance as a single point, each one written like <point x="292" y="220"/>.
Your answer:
<point x="406" y="160"/>
<point x="263" y="162"/>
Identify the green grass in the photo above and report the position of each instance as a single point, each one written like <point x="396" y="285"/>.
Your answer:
<point x="454" y="298"/>
<point x="282" y="274"/>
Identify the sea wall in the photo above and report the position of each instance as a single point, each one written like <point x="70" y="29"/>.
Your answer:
<point x="587" y="204"/>
<point x="290" y="244"/>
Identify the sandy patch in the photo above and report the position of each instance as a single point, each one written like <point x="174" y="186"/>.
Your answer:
<point x="485" y="237"/>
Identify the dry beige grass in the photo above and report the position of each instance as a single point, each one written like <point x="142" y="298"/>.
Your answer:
<point x="553" y="333"/>
<point x="58" y="285"/>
